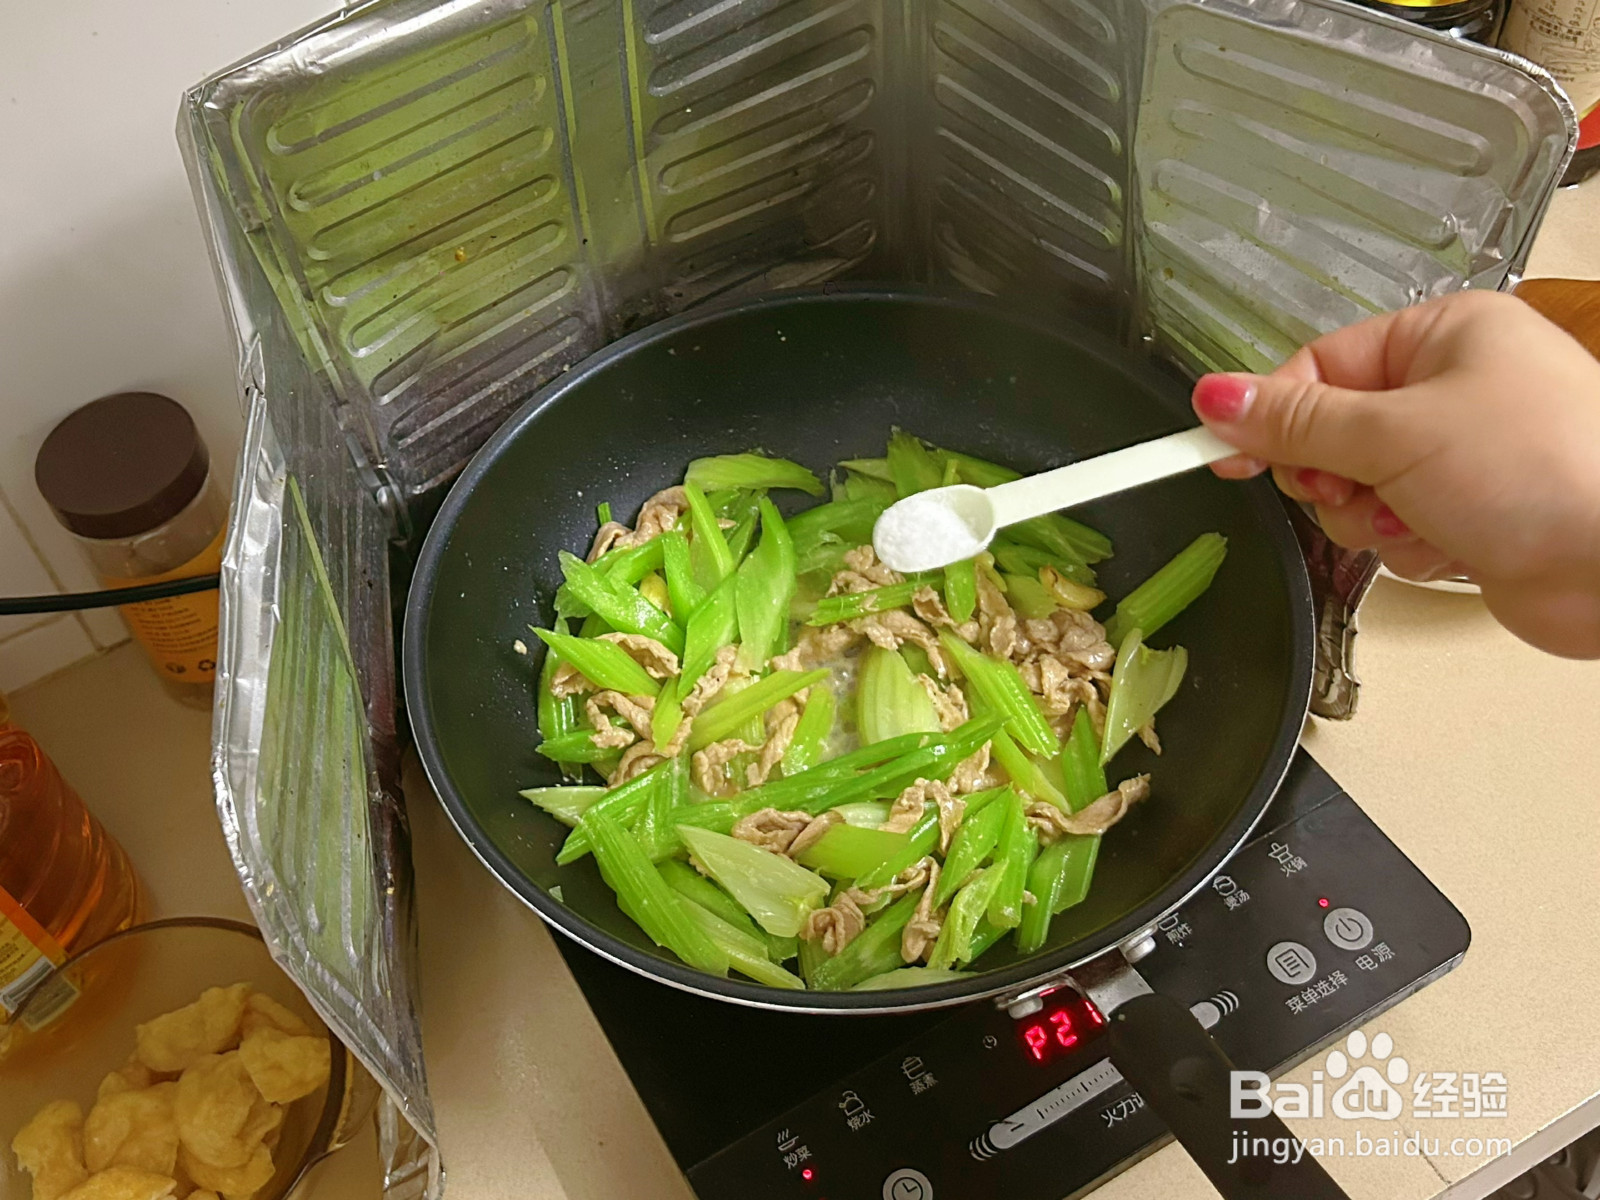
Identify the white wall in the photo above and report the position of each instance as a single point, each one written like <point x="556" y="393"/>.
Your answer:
<point x="104" y="281"/>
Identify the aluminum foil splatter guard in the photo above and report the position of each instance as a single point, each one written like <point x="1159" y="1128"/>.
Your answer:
<point x="422" y="212"/>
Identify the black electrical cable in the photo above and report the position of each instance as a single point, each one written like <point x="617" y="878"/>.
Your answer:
<point x="12" y="606"/>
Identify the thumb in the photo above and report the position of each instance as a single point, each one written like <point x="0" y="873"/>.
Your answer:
<point x="1298" y="421"/>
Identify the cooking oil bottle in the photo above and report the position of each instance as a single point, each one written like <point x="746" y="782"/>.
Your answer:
<point x="64" y="882"/>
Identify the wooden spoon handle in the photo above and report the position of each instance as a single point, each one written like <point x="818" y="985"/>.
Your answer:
<point x="1573" y="304"/>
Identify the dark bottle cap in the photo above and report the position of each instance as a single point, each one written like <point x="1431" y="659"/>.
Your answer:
<point x="122" y="465"/>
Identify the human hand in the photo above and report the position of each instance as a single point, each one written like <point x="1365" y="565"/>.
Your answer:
<point x="1461" y="436"/>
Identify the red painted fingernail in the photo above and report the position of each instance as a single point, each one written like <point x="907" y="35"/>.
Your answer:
<point x="1325" y="487"/>
<point x="1223" y="397"/>
<point x="1386" y="524"/>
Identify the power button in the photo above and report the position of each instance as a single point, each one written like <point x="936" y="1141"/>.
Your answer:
<point x="907" y="1184"/>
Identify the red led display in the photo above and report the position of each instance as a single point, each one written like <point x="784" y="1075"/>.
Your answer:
<point x="1066" y="1020"/>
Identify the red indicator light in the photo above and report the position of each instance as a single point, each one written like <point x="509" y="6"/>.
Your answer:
<point x="808" y="1174"/>
<point x="1037" y="1040"/>
<point x="1322" y="902"/>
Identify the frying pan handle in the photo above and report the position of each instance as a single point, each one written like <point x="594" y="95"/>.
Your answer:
<point x="1165" y="1054"/>
<point x="1339" y="581"/>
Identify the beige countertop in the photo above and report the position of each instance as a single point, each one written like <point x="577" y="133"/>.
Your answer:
<point x="1475" y="754"/>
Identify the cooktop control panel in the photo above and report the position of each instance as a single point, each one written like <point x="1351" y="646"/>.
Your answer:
<point x="1315" y="926"/>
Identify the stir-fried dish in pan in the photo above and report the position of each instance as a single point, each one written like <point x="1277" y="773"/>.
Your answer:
<point x="792" y="762"/>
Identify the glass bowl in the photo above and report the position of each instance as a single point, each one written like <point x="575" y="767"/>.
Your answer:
<point x="77" y="1026"/>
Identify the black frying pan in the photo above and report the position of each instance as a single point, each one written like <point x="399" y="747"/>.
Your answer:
<point x="819" y="377"/>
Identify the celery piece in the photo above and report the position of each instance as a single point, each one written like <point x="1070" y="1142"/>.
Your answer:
<point x="657" y="909"/>
<point x="817" y="781"/>
<point x="628" y="567"/>
<point x="575" y="747"/>
<point x="1170" y="590"/>
<point x="921" y="839"/>
<point x="724" y="715"/>
<point x="849" y="605"/>
<point x="996" y="681"/>
<point x="565" y="804"/>
<point x="849" y="520"/>
<point x="872" y="468"/>
<point x="685" y="592"/>
<point x="557" y="715"/>
<point x="708" y="629"/>
<point x="603" y="512"/>
<point x="622" y="804"/>
<point x="971" y="845"/>
<point x="1141" y="682"/>
<point x="593" y="626"/>
<point x="976" y="471"/>
<point x="866" y="487"/>
<point x="1045" y="879"/>
<point x="865" y="814"/>
<point x="656" y="827"/>
<point x="912" y="465"/>
<point x="667" y="714"/>
<point x="746" y="953"/>
<point x="741" y="535"/>
<point x="689" y="883"/>
<point x="778" y="893"/>
<point x="1062" y="536"/>
<point x="751" y="472"/>
<point x="1030" y="598"/>
<point x="1083" y="776"/>
<point x="717" y="816"/>
<point x="889" y="701"/>
<point x="1027" y="774"/>
<point x="823" y="557"/>
<point x="1013" y="855"/>
<point x="1017" y="559"/>
<point x="708" y="550"/>
<point x="985" y="934"/>
<point x="907" y="977"/>
<point x="620" y="605"/>
<point x="848" y="851"/>
<point x="971" y="903"/>
<point x="812" y="733"/>
<point x="875" y="950"/>
<point x="812" y="956"/>
<point x="961" y="589"/>
<point x="765" y="584"/>
<point x="602" y="663"/>
<point x="1068" y="593"/>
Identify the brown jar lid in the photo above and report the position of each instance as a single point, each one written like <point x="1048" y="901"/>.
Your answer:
<point x="122" y="465"/>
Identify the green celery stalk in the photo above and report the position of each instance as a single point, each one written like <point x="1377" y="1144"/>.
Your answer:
<point x="817" y="781"/>
<point x="971" y="903"/>
<point x="619" y="605"/>
<point x="1013" y="855"/>
<point x="656" y="827"/>
<point x="961" y="589"/>
<point x="602" y="512"/>
<point x="1046" y="878"/>
<point x="1031" y="599"/>
<point x="823" y="556"/>
<point x="920" y="841"/>
<point x="1062" y="537"/>
<point x="812" y="956"/>
<point x="976" y="471"/>
<point x="866" y="814"/>
<point x="812" y="733"/>
<point x="872" y="468"/>
<point x="764" y="587"/>
<point x="575" y="747"/>
<point x="622" y="804"/>
<point x="667" y="714"/>
<point x="656" y="908"/>
<point x="1003" y="691"/>
<point x="847" y="606"/>
<point x="717" y="816"/>
<point x="849" y="520"/>
<point x="600" y="662"/>
<point x="1142" y="681"/>
<point x="971" y="846"/>
<point x="912" y="465"/>
<point x="848" y="852"/>
<point x="1017" y="559"/>
<point x="627" y="567"/>
<point x="593" y="626"/>
<point x="855" y="486"/>
<point x="751" y="472"/>
<point x="685" y="592"/>
<point x="1170" y="590"/>
<point x="724" y="715"/>
<point x="556" y="716"/>
<point x="875" y="950"/>
<point x="908" y="977"/>
<point x="565" y="804"/>
<point x="1027" y="774"/>
<point x="889" y="701"/>
<point x="741" y="535"/>
<point x="778" y="893"/>
<point x="689" y="883"/>
<point x="745" y="953"/>
<point x="985" y="934"/>
<point x="713" y="561"/>
<point x="709" y="628"/>
<point x="1083" y="775"/>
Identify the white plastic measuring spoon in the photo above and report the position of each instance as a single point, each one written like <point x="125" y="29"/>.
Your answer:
<point x="945" y="525"/>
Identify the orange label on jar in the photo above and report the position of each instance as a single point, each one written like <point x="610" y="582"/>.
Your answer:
<point x="27" y="954"/>
<point x="179" y="633"/>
